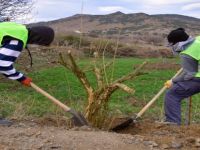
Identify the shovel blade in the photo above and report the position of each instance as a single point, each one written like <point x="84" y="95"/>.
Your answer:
<point x="123" y="125"/>
<point x="78" y="119"/>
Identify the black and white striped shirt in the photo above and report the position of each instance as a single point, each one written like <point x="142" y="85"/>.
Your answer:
<point x="9" y="52"/>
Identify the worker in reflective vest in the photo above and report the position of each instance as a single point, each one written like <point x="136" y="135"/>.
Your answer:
<point x="188" y="82"/>
<point x="13" y="39"/>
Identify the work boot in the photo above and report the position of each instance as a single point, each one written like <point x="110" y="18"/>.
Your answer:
<point x="4" y="122"/>
<point x="165" y="123"/>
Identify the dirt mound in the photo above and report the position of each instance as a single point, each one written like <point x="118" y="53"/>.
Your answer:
<point x="143" y="136"/>
<point x="25" y="136"/>
<point x="166" y="136"/>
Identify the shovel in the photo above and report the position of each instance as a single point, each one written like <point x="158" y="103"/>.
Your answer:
<point x="78" y="119"/>
<point x="134" y="119"/>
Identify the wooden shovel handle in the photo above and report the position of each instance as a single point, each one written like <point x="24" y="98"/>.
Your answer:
<point x="53" y="99"/>
<point x="155" y="97"/>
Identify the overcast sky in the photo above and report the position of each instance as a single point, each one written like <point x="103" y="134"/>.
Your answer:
<point x="55" y="9"/>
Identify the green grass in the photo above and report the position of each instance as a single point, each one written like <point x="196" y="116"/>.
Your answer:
<point x="62" y="84"/>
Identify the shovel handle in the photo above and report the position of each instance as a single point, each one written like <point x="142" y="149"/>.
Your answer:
<point x="156" y="96"/>
<point x="188" y="111"/>
<point x="53" y="99"/>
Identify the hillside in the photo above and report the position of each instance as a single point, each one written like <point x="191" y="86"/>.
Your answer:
<point x="136" y="27"/>
<point x="139" y="34"/>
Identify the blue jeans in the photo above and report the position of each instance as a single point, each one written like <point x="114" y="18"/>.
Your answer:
<point x="174" y="96"/>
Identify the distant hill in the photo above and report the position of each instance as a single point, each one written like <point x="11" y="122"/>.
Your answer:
<point x="136" y="27"/>
<point x="139" y="34"/>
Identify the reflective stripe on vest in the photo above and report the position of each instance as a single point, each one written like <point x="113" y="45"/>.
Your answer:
<point x="193" y="50"/>
<point x="14" y="30"/>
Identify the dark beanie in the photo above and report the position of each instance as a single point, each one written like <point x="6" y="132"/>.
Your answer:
<point x="177" y="35"/>
<point x="41" y="35"/>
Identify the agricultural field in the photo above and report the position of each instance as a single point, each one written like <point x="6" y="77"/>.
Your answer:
<point x="32" y="112"/>
<point x="62" y="84"/>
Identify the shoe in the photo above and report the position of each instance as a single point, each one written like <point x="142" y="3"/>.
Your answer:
<point x="4" y="122"/>
<point x="165" y="123"/>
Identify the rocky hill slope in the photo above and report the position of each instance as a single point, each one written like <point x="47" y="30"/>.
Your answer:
<point x="135" y="27"/>
<point x="139" y="34"/>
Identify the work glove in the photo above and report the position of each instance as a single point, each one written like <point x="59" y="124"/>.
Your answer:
<point x="27" y="81"/>
<point x="168" y="84"/>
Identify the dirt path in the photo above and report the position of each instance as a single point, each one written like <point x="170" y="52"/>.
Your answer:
<point x="31" y="136"/>
<point x="144" y="136"/>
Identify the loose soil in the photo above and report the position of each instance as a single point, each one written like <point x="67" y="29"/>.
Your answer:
<point x="166" y="136"/>
<point x="145" y="135"/>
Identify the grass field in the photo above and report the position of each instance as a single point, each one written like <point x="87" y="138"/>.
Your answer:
<point x="18" y="101"/>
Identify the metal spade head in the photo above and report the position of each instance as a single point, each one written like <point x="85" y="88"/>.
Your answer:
<point x="122" y="125"/>
<point x="78" y="119"/>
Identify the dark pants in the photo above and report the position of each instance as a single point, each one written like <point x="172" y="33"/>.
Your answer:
<point x="175" y="94"/>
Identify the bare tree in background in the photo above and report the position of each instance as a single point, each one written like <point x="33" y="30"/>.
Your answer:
<point x="15" y="8"/>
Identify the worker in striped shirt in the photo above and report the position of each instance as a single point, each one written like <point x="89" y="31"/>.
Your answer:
<point x="13" y="39"/>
